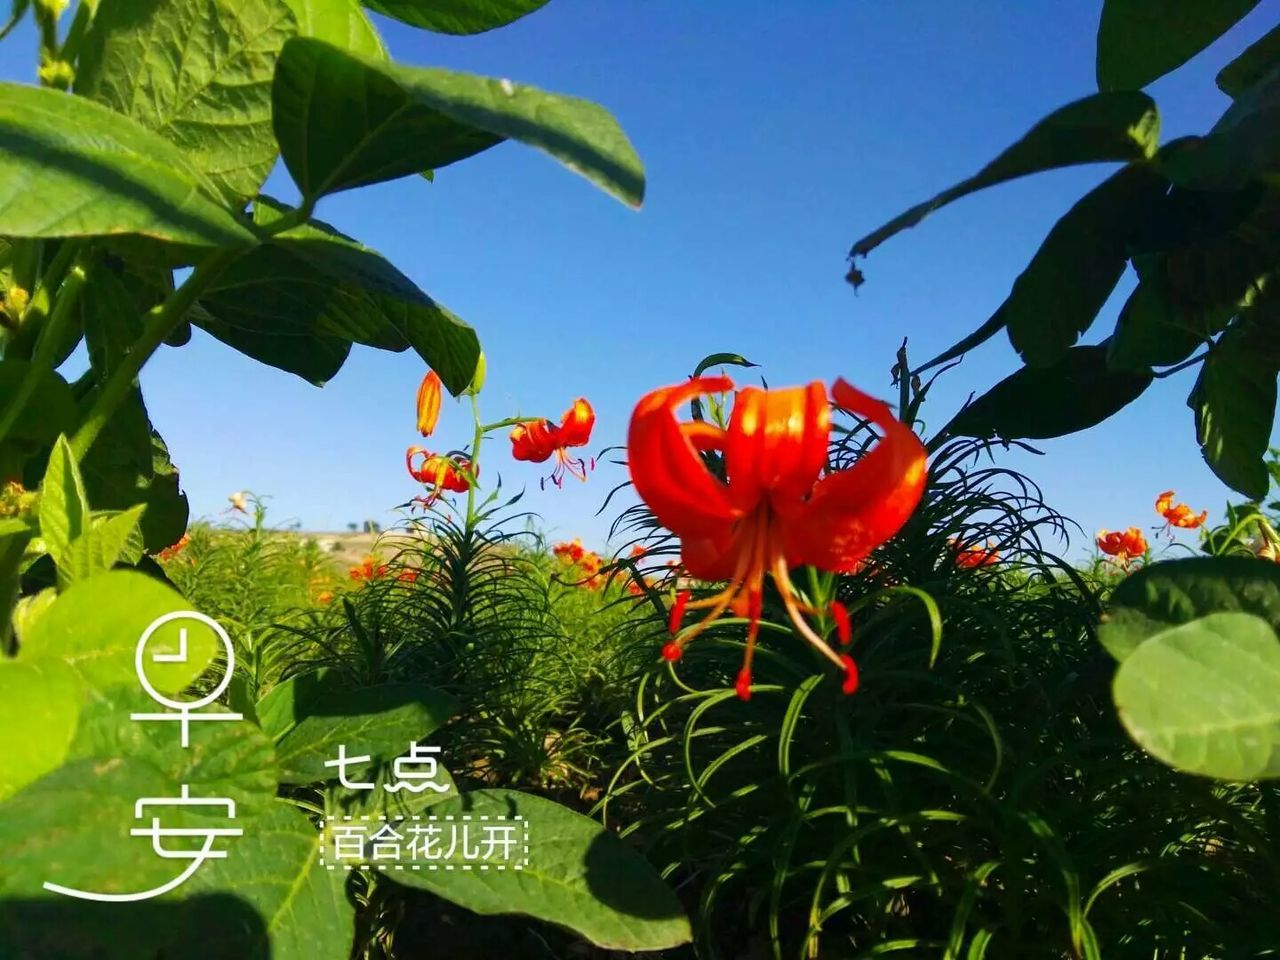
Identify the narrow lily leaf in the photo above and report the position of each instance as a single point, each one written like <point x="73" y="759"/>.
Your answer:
<point x="399" y="121"/>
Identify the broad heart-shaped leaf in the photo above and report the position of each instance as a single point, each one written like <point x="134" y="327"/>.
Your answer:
<point x="51" y="409"/>
<point x="1104" y="127"/>
<point x="1142" y="40"/>
<point x="579" y="876"/>
<point x="208" y="91"/>
<point x="64" y="508"/>
<point x="1244" y="71"/>
<point x="94" y="627"/>
<point x="276" y="868"/>
<point x="1073" y="273"/>
<point x="39" y="705"/>
<point x="1156" y="329"/>
<point x="342" y="23"/>
<point x="1234" y="400"/>
<point x="1073" y="394"/>
<point x="316" y="291"/>
<point x="456" y="16"/>
<point x="310" y="717"/>
<point x="1205" y="697"/>
<point x="1174" y="592"/>
<point x="398" y="121"/>
<point x="71" y="167"/>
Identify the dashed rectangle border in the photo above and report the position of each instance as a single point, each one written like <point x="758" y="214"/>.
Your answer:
<point x="384" y="867"/>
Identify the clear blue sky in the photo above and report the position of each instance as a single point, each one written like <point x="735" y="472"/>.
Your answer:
<point x="773" y="134"/>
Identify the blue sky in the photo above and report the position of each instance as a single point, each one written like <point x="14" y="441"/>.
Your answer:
<point x="773" y="135"/>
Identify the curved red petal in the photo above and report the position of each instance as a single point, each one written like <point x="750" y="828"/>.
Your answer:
<point x="665" y="466"/>
<point x="534" y="441"/>
<point x="854" y="511"/>
<point x="576" y="424"/>
<point x="777" y="443"/>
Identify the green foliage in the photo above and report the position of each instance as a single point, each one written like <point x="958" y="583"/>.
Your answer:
<point x="1141" y="40"/>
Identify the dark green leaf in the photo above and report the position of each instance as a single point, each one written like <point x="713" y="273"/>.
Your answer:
<point x="1141" y="40"/>
<point x="1234" y="400"/>
<point x="1104" y="127"/>
<point x="1040" y="402"/>
<point x="51" y="410"/>
<point x="398" y="121"/>
<point x="1243" y="145"/>
<point x="1205" y="696"/>
<point x="1174" y="592"/>
<point x="316" y="359"/>
<point x="579" y="876"/>
<point x="208" y="91"/>
<point x="1244" y="71"/>
<point x="1152" y="331"/>
<point x="1080" y="262"/>
<point x="316" y="290"/>
<point x="456" y="16"/>
<point x="71" y="167"/>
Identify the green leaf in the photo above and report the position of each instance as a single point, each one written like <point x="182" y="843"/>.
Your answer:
<point x="398" y="121"/>
<point x="309" y="717"/>
<point x="64" y="508"/>
<point x="1205" y="697"/>
<point x="39" y="705"/>
<point x="101" y="545"/>
<point x="1142" y="40"/>
<point x="458" y="17"/>
<point x="318" y="290"/>
<point x="1103" y="127"/>
<point x="1234" y="400"/>
<point x="1174" y="592"/>
<point x="1080" y="262"/>
<point x="207" y="91"/>
<point x="1155" y="330"/>
<point x="1040" y="402"/>
<point x="341" y="23"/>
<point x="276" y="868"/>
<point x="579" y="876"/>
<point x="51" y="410"/>
<point x="1257" y="61"/>
<point x="314" y="358"/>
<point x="1243" y="145"/>
<point x="71" y="167"/>
<point x="94" y="627"/>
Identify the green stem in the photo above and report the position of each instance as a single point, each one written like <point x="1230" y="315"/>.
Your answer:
<point x="31" y="324"/>
<point x="481" y="430"/>
<point x="46" y="347"/>
<point x="158" y="323"/>
<point x="509" y="422"/>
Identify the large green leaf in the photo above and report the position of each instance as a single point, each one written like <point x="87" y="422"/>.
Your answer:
<point x="309" y="717"/>
<point x="1080" y="262"/>
<point x="71" y="167"/>
<point x="50" y="410"/>
<point x="64" y="509"/>
<point x="1154" y="329"/>
<point x="342" y="23"/>
<point x="1205" y="696"/>
<point x="106" y="541"/>
<point x="94" y="627"/>
<point x="1243" y="145"/>
<point x="456" y="16"/>
<point x="39" y="705"/>
<point x="318" y="290"/>
<point x="1244" y="71"/>
<point x="276" y="868"/>
<point x="1174" y="592"/>
<point x="1108" y="126"/>
<point x="208" y="91"/>
<point x="1142" y="40"/>
<point x="400" y="120"/>
<point x="1234" y="400"/>
<point x="579" y="875"/>
<point x="1073" y="394"/>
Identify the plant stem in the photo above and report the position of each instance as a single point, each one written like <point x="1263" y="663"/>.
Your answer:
<point x="32" y="320"/>
<point x="158" y="323"/>
<point x="481" y="430"/>
<point x="509" y="422"/>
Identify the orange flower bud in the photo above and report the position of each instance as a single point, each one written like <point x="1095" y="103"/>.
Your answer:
<point x="428" y="403"/>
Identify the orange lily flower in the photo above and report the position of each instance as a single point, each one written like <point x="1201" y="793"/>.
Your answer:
<point x="439" y="472"/>
<point x="1124" y="546"/>
<point x="569" y="552"/>
<point x="1180" y="515"/>
<point x="324" y="596"/>
<point x="538" y="440"/>
<point x="775" y="510"/>
<point x="368" y="569"/>
<point x="970" y="557"/>
<point x="429" y="403"/>
<point x="171" y="551"/>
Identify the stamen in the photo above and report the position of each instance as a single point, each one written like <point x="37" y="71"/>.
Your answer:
<point x="677" y="611"/>
<point x="787" y="591"/>
<point x="841" y="616"/>
<point x="850" y="674"/>
<point x="671" y="651"/>
<point x="742" y="686"/>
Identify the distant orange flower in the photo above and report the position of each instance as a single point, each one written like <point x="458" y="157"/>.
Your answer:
<point x="1179" y="515"/>
<point x="408" y="575"/>
<point x="439" y="472"/>
<point x="538" y="440"/>
<point x="1123" y="546"/>
<point x="171" y="551"/>
<point x="368" y="569"/>
<point x="324" y="596"/>
<point x="970" y="557"/>
<point x="428" y="403"/>
<point x="638" y="551"/>
<point x="569" y="551"/>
